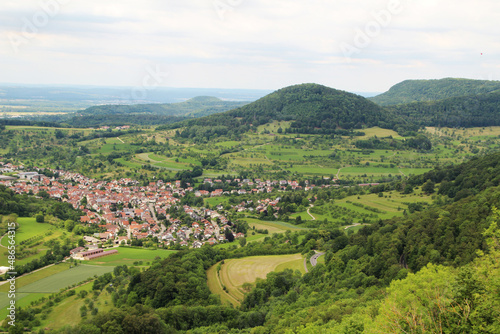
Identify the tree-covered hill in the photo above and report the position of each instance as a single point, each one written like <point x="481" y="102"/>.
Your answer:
<point x="150" y="114"/>
<point x="432" y="90"/>
<point x="463" y="111"/>
<point x="312" y="108"/>
<point x="195" y="107"/>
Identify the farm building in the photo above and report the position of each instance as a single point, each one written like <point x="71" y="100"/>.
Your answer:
<point x="94" y="254"/>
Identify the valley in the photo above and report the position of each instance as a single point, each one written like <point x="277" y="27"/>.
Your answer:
<point x="303" y="211"/>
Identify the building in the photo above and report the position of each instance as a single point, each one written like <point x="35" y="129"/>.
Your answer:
<point x="93" y="254"/>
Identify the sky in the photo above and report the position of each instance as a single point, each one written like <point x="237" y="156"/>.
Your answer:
<point x="353" y="45"/>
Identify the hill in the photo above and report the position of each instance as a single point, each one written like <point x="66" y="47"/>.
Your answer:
<point x="463" y="111"/>
<point x="311" y="108"/>
<point x="153" y="113"/>
<point x="432" y="90"/>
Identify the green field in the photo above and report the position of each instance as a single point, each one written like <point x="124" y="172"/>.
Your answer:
<point x="128" y="256"/>
<point x="29" y="228"/>
<point x="68" y="311"/>
<point x="236" y="272"/>
<point x="53" y="282"/>
<point x="272" y="226"/>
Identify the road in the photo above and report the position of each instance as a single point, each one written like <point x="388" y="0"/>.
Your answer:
<point x="314" y="258"/>
<point x="153" y="213"/>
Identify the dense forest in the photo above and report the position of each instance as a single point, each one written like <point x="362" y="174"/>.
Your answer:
<point x="432" y="271"/>
<point x="464" y="111"/>
<point x="410" y="91"/>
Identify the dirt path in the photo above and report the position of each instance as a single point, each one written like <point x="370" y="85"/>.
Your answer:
<point x="353" y="225"/>
<point x="313" y="218"/>
<point x="120" y="140"/>
<point x="338" y="172"/>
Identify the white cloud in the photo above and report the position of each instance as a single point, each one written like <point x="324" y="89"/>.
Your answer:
<point x="257" y="44"/>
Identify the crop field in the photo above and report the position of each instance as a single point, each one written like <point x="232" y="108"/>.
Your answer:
<point x="129" y="256"/>
<point x="235" y="273"/>
<point x="64" y="278"/>
<point x="381" y="133"/>
<point x="49" y="280"/>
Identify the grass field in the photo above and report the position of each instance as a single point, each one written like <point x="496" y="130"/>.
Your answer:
<point x="29" y="228"/>
<point x="271" y="226"/>
<point x="235" y="273"/>
<point x="68" y="311"/>
<point x="128" y="256"/>
<point x="64" y="278"/>
<point x="34" y="286"/>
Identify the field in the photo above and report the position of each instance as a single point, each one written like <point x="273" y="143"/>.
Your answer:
<point x="271" y="226"/>
<point x="130" y="256"/>
<point x="39" y="233"/>
<point x="49" y="280"/>
<point x="363" y="208"/>
<point x="235" y="273"/>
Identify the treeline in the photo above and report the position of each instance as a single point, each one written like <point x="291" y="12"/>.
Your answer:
<point x="121" y="119"/>
<point x="420" y="142"/>
<point x="25" y="205"/>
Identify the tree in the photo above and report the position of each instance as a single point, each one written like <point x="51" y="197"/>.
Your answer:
<point x="243" y="242"/>
<point x="428" y="187"/>
<point x="40" y="218"/>
<point x="229" y="235"/>
<point x="69" y="225"/>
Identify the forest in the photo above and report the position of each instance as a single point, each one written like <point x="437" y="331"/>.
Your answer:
<point x="409" y="91"/>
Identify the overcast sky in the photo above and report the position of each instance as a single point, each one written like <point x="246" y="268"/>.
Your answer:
<point x="354" y="45"/>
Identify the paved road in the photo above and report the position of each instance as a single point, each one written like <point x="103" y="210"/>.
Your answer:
<point x="314" y="258"/>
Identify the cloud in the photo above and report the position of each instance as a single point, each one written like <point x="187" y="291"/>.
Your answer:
<point x="254" y="44"/>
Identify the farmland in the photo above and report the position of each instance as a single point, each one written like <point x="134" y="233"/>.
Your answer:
<point x="130" y="256"/>
<point x="31" y="236"/>
<point x="49" y="280"/>
<point x="235" y="273"/>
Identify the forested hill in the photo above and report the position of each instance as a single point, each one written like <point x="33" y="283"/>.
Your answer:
<point x="151" y="114"/>
<point x="196" y="107"/>
<point x="463" y="111"/>
<point x="432" y="90"/>
<point x="312" y="108"/>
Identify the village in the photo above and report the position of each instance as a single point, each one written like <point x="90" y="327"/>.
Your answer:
<point x="127" y="212"/>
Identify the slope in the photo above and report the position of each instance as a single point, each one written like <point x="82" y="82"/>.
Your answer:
<point x="432" y="90"/>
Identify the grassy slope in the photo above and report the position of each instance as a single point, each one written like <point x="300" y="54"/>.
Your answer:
<point x="128" y="256"/>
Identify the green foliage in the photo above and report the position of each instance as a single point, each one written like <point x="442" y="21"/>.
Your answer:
<point x="431" y="90"/>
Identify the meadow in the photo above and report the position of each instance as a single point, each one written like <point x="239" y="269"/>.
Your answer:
<point x="130" y="256"/>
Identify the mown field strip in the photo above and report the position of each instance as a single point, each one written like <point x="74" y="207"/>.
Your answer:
<point x="236" y="272"/>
